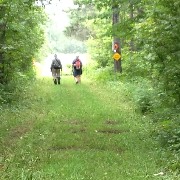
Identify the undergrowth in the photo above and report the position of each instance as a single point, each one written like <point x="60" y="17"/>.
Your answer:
<point x="153" y="103"/>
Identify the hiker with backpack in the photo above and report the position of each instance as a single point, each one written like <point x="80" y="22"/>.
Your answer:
<point x="56" y="67"/>
<point x="77" y="69"/>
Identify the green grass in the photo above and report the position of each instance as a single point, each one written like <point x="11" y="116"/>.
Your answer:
<point x="74" y="132"/>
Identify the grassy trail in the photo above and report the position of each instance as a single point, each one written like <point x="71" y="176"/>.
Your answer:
<point x="74" y="132"/>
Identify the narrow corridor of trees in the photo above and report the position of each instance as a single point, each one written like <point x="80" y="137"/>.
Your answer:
<point x="149" y="33"/>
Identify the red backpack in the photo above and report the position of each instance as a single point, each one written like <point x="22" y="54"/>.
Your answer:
<point x="78" y="64"/>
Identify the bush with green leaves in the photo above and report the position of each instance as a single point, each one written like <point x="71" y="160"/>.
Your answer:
<point x="21" y="37"/>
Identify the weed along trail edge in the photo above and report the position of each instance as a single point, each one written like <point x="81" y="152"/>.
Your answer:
<point x="73" y="132"/>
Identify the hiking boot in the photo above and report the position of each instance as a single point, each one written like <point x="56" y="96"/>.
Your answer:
<point x="59" y="80"/>
<point x="55" y="82"/>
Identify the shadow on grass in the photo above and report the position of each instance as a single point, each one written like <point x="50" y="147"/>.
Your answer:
<point x="86" y="148"/>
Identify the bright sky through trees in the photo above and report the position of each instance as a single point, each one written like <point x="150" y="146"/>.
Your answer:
<point x="56" y="11"/>
<point x="59" y="18"/>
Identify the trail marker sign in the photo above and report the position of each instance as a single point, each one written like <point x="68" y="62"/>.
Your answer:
<point x="116" y="56"/>
<point x="116" y="46"/>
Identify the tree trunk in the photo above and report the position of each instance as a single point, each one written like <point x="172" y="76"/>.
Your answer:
<point x="131" y="15"/>
<point x="116" y="40"/>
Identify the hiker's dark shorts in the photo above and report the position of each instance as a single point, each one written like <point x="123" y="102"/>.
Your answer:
<point x="77" y="72"/>
<point x="55" y="73"/>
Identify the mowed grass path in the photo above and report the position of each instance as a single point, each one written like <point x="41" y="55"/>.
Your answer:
<point x="74" y="132"/>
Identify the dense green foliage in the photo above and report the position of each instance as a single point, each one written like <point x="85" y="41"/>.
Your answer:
<point x="21" y="37"/>
<point x="150" y="45"/>
<point x="149" y="33"/>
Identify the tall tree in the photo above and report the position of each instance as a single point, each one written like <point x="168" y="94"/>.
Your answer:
<point x="116" y="39"/>
<point x="21" y="37"/>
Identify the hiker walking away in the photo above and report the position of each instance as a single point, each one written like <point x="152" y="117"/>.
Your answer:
<point x="56" y="67"/>
<point x="77" y="69"/>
